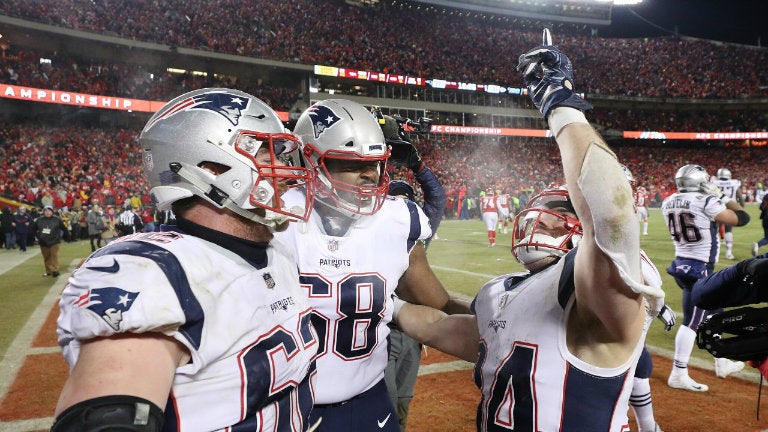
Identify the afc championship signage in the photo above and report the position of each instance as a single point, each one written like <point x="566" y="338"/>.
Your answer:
<point x="78" y="99"/>
<point x="758" y="138"/>
<point x="88" y="100"/>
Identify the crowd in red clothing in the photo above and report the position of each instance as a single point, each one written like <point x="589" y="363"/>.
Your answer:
<point x="390" y="37"/>
<point x="76" y="164"/>
<point x="517" y="166"/>
<point x="73" y="165"/>
<point x="23" y="67"/>
<point x="65" y="72"/>
<point x="70" y="166"/>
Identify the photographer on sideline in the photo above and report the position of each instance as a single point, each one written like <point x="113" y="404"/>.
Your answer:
<point x="49" y="230"/>
<point x="743" y="283"/>
<point x="405" y="352"/>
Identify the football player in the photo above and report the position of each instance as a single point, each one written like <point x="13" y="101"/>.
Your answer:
<point x="555" y="347"/>
<point x="740" y="284"/>
<point x="203" y="325"/>
<point x="640" y="399"/>
<point x="730" y="188"/>
<point x="691" y="214"/>
<point x="405" y="352"/>
<point x="357" y="248"/>
<point x="641" y="200"/>
<point x="490" y="214"/>
<point x="502" y="202"/>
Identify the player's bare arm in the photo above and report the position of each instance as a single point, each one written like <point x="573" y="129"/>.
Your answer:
<point x="456" y="335"/>
<point x="420" y="285"/>
<point x="607" y="319"/>
<point x="617" y="306"/>
<point x="137" y="365"/>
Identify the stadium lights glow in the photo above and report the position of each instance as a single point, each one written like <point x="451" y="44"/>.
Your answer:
<point x="621" y="2"/>
<point x="183" y="71"/>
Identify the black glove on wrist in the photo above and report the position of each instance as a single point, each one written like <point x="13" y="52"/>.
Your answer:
<point x="548" y="75"/>
<point x="405" y="154"/>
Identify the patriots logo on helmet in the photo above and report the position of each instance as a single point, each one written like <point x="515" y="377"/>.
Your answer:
<point x="228" y="105"/>
<point x="109" y="303"/>
<point x="322" y="118"/>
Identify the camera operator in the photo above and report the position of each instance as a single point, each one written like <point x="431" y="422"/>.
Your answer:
<point x="743" y="283"/>
<point x="405" y="352"/>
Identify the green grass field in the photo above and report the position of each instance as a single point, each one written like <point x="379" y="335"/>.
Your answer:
<point x="460" y="257"/>
<point x="463" y="262"/>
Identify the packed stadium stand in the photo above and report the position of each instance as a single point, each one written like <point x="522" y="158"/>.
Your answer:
<point x="153" y="50"/>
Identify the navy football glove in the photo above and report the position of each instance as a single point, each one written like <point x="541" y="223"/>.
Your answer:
<point x="405" y="154"/>
<point x="548" y="75"/>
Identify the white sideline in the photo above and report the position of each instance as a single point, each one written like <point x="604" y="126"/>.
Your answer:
<point x="11" y="258"/>
<point x="22" y="346"/>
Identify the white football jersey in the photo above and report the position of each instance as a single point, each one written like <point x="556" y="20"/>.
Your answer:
<point x="502" y="201"/>
<point x="246" y="324"/>
<point x="690" y="217"/>
<point x="528" y="378"/>
<point x="729" y="187"/>
<point x="349" y="281"/>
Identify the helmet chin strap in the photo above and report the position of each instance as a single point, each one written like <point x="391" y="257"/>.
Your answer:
<point x="271" y="223"/>
<point x="328" y="203"/>
<point x="221" y="199"/>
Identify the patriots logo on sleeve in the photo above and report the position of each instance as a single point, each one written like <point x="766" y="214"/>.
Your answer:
<point x="322" y="118"/>
<point x="228" y="105"/>
<point x="109" y="303"/>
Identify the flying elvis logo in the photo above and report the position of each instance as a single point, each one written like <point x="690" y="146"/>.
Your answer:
<point x="322" y="118"/>
<point x="228" y="105"/>
<point x="109" y="303"/>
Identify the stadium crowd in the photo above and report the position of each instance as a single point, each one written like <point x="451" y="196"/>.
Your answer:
<point x="467" y="47"/>
<point x="47" y="161"/>
<point x="74" y="166"/>
<point x="67" y="72"/>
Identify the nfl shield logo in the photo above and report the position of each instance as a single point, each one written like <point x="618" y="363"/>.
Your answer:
<point x="333" y="245"/>
<point x="148" y="162"/>
<point x="268" y="280"/>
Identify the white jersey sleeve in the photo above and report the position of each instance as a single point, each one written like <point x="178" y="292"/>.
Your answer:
<point x="232" y="315"/>
<point x="349" y="281"/>
<point x="652" y="277"/>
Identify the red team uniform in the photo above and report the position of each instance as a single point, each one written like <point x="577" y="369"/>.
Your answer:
<point x="490" y="213"/>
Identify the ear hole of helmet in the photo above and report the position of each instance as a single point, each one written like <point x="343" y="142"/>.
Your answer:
<point x="214" y="167"/>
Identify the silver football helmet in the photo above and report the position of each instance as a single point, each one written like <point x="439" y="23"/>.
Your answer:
<point x="690" y="177"/>
<point x="724" y="174"/>
<point x="530" y="242"/>
<point x="255" y="158"/>
<point x="339" y="130"/>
